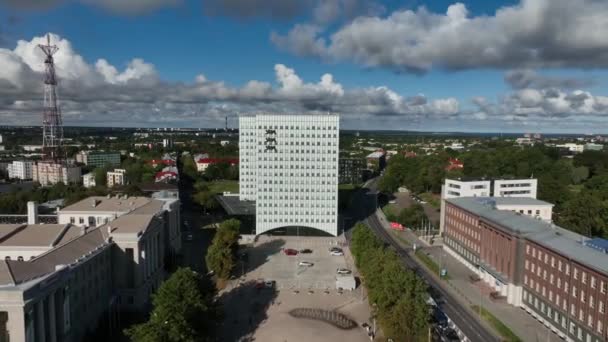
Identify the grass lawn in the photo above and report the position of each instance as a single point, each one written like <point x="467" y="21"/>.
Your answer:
<point x="221" y="186"/>
<point x="502" y="329"/>
<point x="430" y="263"/>
<point x="401" y="238"/>
<point x="430" y="199"/>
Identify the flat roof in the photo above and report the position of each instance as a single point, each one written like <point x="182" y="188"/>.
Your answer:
<point x="514" y="222"/>
<point x="564" y="242"/>
<point x="520" y="201"/>
<point x="112" y="204"/>
<point x="234" y="206"/>
<point x="132" y="223"/>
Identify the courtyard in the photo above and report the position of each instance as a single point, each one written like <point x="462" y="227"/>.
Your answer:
<point x="261" y="313"/>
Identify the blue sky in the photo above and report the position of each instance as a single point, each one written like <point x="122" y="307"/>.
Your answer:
<point x="382" y="54"/>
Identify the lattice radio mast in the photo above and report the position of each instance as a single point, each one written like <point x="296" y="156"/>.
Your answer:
<point x="52" y="124"/>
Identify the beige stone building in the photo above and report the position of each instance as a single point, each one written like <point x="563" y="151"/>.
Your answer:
<point x="60" y="282"/>
<point x="49" y="173"/>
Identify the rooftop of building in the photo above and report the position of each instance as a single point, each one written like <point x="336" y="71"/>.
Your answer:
<point x="558" y="239"/>
<point x="108" y="204"/>
<point x="234" y="206"/>
<point x="519" y="201"/>
<point x="488" y="179"/>
<point x="376" y="154"/>
<point x="36" y="235"/>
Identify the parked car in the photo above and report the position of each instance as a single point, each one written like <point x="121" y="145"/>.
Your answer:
<point x="343" y="271"/>
<point x="305" y="251"/>
<point x="289" y="251"/>
<point x="305" y="263"/>
<point x="336" y="253"/>
<point x="269" y="284"/>
<point x="335" y="249"/>
<point x="189" y="236"/>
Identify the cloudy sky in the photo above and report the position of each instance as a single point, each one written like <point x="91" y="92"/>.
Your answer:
<point x="482" y="65"/>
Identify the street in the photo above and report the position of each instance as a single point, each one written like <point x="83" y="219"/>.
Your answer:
<point x="466" y="321"/>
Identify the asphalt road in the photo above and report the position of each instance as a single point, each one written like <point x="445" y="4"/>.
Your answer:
<point x="463" y="318"/>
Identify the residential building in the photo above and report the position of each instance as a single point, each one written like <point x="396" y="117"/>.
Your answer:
<point x="116" y="177"/>
<point x="224" y="142"/>
<point x="1" y="139"/>
<point x="454" y="164"/>
<point x="289" y="167"/>
<point x="376" y="161"/>
<point x="571" y="147"/>
<point x="549" y="271"/>
<point x="88" y="180"/>
<point x="167" y="175"/>
<point x="203" y="164"/>
<point x="21" y="169"/>
<point x="80" y="276"/>
<point x="51" y="173"/>
<point x="98" y="158"/>
<point x="515" y="187"/>
<point x="167" y="143"/>
<point x="593" y="147"/>
<point x="454" y="188"/>
<point x="351" y="170"/>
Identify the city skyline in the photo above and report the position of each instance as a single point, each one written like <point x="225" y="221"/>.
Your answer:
<point x="525" y="66"/>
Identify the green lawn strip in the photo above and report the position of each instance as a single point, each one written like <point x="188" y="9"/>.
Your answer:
<point x="500" y="327"/>
<point x="430" y="263"/>
<point x="401" y="238"/>
<point x="222" y="186"/>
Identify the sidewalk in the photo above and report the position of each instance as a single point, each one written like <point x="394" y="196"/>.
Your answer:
<point x="523" y="325"/>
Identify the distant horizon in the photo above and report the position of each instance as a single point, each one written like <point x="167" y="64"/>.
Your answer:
<point x="421" y="131"/>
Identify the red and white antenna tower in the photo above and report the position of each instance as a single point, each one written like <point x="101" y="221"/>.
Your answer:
<point x="52" y="124"/>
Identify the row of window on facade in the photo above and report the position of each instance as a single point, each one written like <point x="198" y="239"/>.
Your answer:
<point x="562" y="320"/>
<point x="557" y="263"/>
<point x="584" y="299"/>
<point x="313" y="151"/>
<point x="297" y="220"/>
<point x="280" y="166"/>
<point x="291" y="205"/>
<point x="323" y="128"/>
<point x="91" y="221"/>
<point x="465" y="229"/>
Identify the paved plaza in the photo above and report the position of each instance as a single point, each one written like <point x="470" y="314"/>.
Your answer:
<point x="262" y="314"/>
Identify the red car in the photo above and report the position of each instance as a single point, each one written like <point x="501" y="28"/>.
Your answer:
<point x="289" y="251"/>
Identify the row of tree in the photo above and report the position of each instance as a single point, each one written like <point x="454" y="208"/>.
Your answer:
<point x="397" y="294"/>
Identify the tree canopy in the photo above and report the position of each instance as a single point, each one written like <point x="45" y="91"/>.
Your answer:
<point x="398" y="294"/>
<point x="183" y="311"/>
<point x="221" y="255"/>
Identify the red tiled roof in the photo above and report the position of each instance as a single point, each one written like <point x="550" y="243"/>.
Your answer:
<point x="218" y="160"/>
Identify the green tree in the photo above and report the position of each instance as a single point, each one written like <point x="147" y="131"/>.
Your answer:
<point x="183" y="312"/>
<point x="189" y="167"/>
<point x="580" y="174"/>
<point x="101" y="176"/>
<point x="221" y="255"/>
<point x="585" y="213"/>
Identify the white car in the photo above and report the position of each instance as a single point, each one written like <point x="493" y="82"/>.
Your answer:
<point x="336" y="253"/>
<point x="305" y="263"/>
<point x="343" y="271"/>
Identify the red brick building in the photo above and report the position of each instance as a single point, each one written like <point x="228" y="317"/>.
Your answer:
<point x="542" y="268"/>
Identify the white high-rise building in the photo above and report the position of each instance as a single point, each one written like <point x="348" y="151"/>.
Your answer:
<point x="289" y="167"/>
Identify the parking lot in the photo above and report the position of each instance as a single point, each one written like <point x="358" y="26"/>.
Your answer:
<point x="266" y="260"/>
<point x="261" y="313"/>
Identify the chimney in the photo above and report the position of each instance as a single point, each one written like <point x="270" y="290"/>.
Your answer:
<point x="32" y="212"/>
<point x="94" y="202"/>
<point x="83" y="230"/>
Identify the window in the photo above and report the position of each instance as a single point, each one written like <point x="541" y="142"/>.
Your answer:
<point x="81" y="220"/>
<point x="72" y="220"/>
<point x="592" y="282"/>
<point x="574" y="291"/>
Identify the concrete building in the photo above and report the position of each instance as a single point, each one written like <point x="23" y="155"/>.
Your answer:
<point x="116" y="177"/>
<point x="515" y="188"/>
<point x="376" y="161"/>
<point x="51" y="173"/>
<point x="593" y="147"/>
<point x="88" y="180"/>
<point x="532" y="207"/>
<point x="351" y="170"/>
<point x="203" y="163"/>
<point x="58" y="282"/>
<point x="454" y="188"/>
<point x="98" y="158"/>
<point x="571" y="147"/>
<point x="549" y="271"/>
<point x="167" y="143"/>
<point x="289" y="167"/>
<point x="21" y="169"/>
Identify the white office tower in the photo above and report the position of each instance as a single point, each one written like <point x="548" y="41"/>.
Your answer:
<point x="289" y="167"/>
